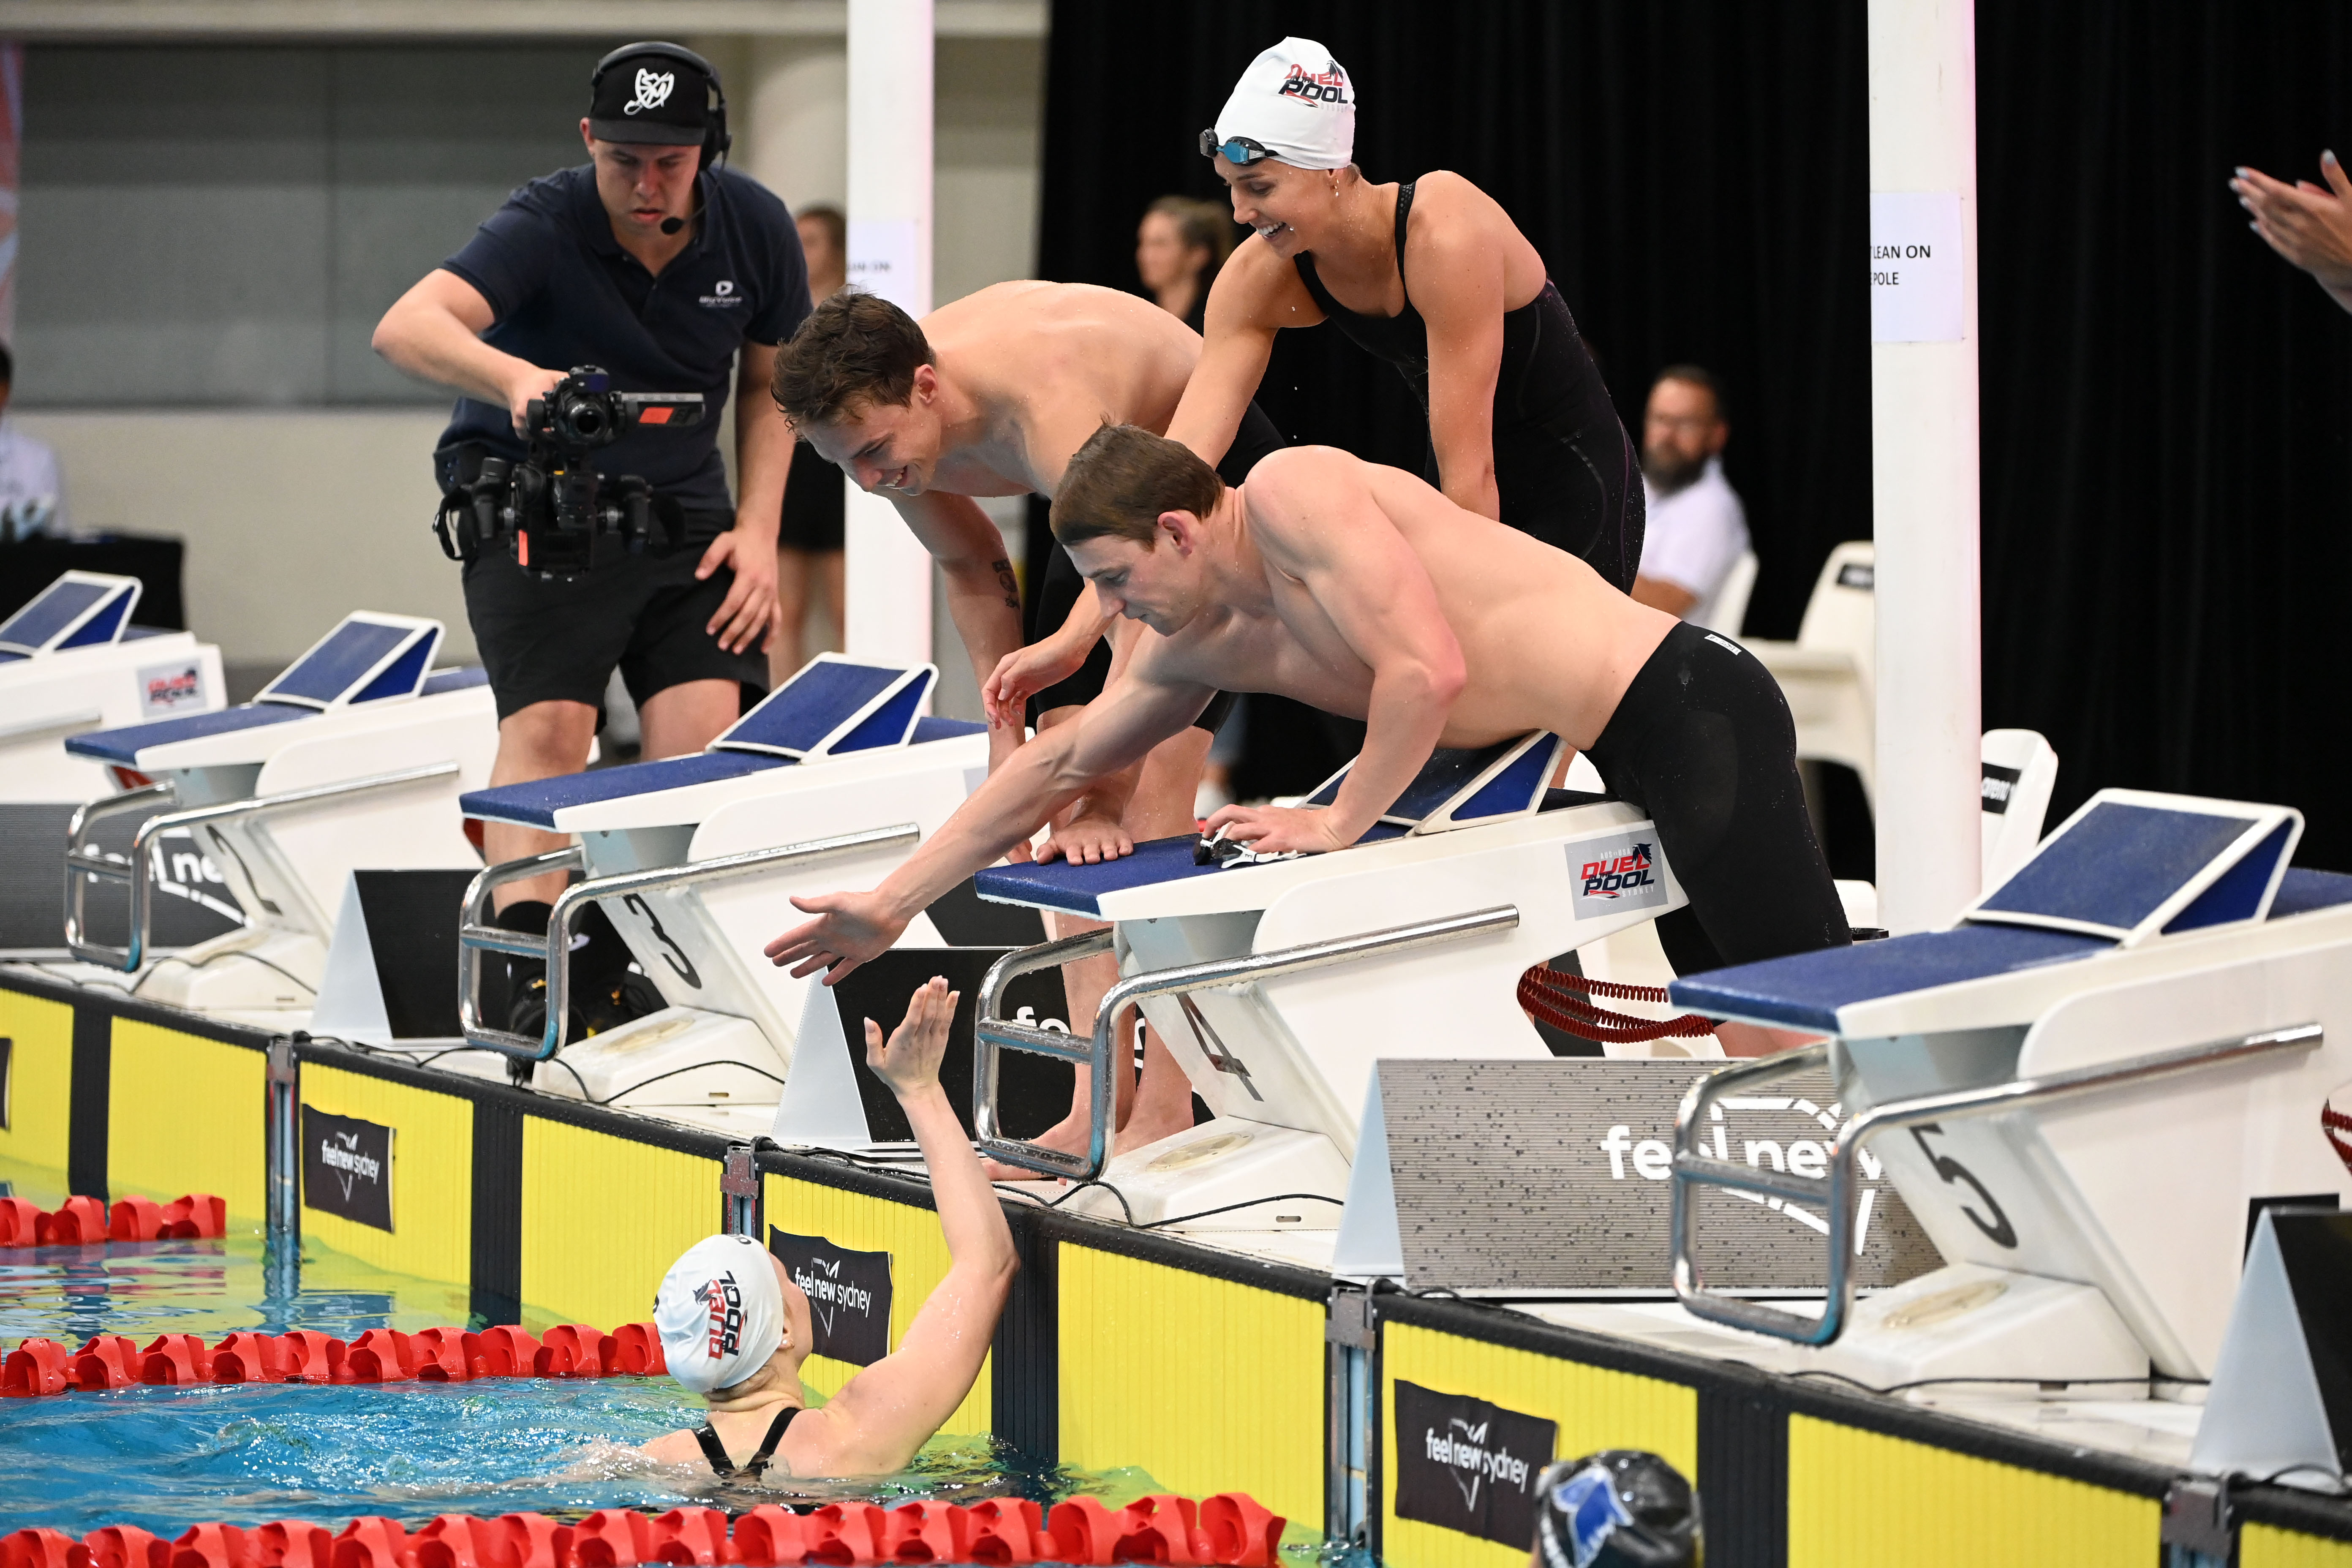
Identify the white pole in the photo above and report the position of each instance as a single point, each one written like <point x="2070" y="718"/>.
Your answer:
<point x="889" y="574"/>
<point x="1923" y="490"/>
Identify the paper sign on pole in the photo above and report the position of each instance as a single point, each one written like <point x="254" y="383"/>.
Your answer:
<point x="1915" y="286"/>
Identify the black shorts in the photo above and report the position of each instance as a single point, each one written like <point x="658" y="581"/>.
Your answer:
<point x="1060" y="590"/>
<point x="811" y="520"/>
<point x="646" y="614"/>
<point x="1703" y="742"/>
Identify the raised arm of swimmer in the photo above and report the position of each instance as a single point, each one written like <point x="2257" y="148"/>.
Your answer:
<point x="735" y="1327"/>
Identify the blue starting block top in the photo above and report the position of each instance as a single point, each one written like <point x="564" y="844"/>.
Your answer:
<point x="1806" y="991"/>
<point x="1078" y="890"/>
<point x="80" y="609"/>
<point x="2127" y="868"/>
<point x="123" y="745"/>
<point x="368" y="657"/>
<point x="535" y="805"/>
<point x="833" y="706"/>
<point x="1465" y="787"/>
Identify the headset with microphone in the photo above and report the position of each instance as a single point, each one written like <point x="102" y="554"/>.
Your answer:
<point x="716" y="138"/>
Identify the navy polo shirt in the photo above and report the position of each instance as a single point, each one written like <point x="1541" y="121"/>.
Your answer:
<point x="562" y="294"/>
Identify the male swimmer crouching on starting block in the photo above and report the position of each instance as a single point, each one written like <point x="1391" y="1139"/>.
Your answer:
<point x="1360" y="590"/>
<point x="735" y="1328"/>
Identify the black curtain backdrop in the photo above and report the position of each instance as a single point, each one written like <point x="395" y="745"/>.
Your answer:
<point x="2166" y="534"/>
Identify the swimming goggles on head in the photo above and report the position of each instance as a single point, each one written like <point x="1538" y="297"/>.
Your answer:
<point x="1238" y="150"/>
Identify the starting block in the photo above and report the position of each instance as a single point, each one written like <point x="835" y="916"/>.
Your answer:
<point x="830" y="782"/>
<point x="1278" y="984"/>
<point x="71" y="662"/>
<point x="352" y="758"/>
<point x="2084" y="1090"/>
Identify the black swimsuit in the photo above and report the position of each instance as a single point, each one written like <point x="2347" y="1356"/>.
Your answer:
<point x="1566" y="471"/>
<point x="715" y="1451"/>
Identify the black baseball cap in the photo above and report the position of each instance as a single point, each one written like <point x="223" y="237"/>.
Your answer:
<point x="656" y="93"/>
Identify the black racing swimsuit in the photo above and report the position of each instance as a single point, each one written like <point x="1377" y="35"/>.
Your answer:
<point x="1566" y="471"/>
<point x="751" y="1468"/>
<point x="1702" y="741"/>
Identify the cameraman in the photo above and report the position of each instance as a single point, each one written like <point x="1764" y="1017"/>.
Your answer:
<point x="664" y="271"/>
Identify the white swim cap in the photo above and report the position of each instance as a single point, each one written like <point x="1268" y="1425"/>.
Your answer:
<point x="720" y="1313"/>
<point x="1297" y="103"/>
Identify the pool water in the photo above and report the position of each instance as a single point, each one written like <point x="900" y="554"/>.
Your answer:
<point x="166" y="1459"/>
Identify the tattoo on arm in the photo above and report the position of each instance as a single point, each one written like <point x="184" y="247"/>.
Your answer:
<point x="1004" y="580"/>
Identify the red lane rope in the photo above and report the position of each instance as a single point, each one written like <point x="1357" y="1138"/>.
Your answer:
<point x="1560" y="1000"/>
<point x="1228" y="1530"/>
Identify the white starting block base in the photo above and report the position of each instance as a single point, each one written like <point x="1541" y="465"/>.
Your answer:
<point x="1225" y="1161"/>
<point x="671" y="1063"/>
<point x="256" y="975"/>
<point x="2000" y="1333"/>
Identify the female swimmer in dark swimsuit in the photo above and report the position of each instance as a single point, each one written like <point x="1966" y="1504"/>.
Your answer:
<point x="1432" y="277"/>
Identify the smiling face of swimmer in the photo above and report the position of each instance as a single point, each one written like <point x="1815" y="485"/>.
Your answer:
<point x="886" y="448"/>
<point x="1287" y="206"/>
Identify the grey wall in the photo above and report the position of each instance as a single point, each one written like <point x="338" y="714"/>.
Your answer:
<point x="224" y="226"/>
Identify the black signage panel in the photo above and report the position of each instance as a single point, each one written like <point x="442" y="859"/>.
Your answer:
<point x="848" y="1293"/>
<point x="1469" y="1466"/>
<point x="347" y="1168"/>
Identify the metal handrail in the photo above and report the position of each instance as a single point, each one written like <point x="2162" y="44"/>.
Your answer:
<point x="995" y="1034"/>
<point x="554" y="948"/>
<point x="85" y="863"/>
<point x="1837" y="1191"/>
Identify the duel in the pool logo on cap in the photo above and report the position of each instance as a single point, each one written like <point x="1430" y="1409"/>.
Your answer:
<point x="1328" y="85"/>
<point x="1617" y="873"/>
<point x="724" y="1301"/>
<point x="849" y="1294"/>
<point x="347" y="1168"/>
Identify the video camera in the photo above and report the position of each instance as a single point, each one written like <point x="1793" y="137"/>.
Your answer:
<point x="558" y="514"/>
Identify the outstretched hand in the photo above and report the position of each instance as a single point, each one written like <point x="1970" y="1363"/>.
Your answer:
<point x="2309" y="225"/>
<point x="1274" y="829"/>
<point x="1024" y="672"/>
<point x="850" y="929"/>
<point x="909" y="1064"/>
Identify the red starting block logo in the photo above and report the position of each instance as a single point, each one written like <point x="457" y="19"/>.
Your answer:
<point x="168" y="688"/>
<point x="1617" y="874"/>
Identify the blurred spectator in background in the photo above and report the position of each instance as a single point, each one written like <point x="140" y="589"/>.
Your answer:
<point x="1178" y="247"/>
<point x="2309" y="225"/>
<point x="1698" y="531"/>
<point x="32" y="497"/>
<point x="808" y="545"/>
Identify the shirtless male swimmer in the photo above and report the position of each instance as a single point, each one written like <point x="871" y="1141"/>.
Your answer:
<point x="735" y="1328"/>
<point x="1363" y="591"/>
<point x="989" y="396"/>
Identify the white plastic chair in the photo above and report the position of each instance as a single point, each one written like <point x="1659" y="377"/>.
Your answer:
<point x="2019" y="772"/>
<point x="1729" y="607"/>
<point x="1830" y="673"/>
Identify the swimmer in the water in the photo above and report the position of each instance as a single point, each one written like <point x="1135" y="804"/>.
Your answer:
<point x="735" y="1328"/>
<point x="989" y="396"/>
<point x="1363" y="590"/>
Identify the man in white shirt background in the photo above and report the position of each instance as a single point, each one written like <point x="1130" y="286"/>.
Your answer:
<point x="1697" y="529"/>
<point x="32" y="497"/>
